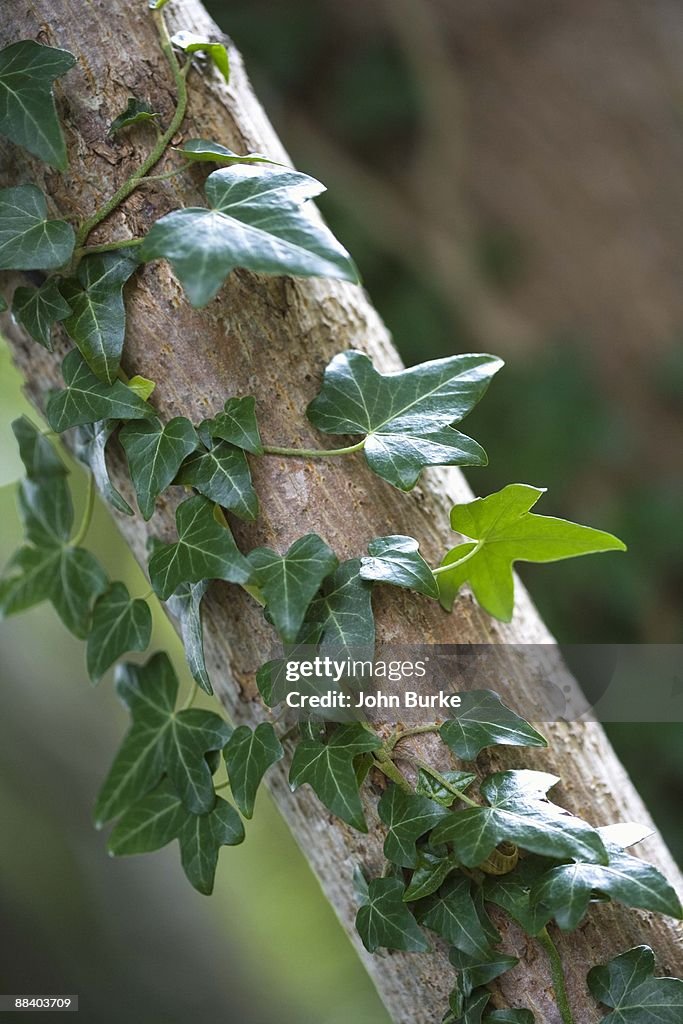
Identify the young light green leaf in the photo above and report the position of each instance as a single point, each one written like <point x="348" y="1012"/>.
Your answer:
<point x="149" y="824"/>
<point x="407" y="417"/>
<point x="248" y="754"/>
<point x="86" y="400"/>
<point x="136" y="112"/>
<point x="141" y="386"/>
<point x="201" y="838"/>
<point x="184" y="604"/>
<point x="519" y="812"/>
<point x="328" y="768"/>
<point x="189" y="735"/>
<point x="155" y="453"/>
<point x="222" y="473"/>
<point x="484" y="721"/>
<point x="90" y="447"/>
<point x="407" y="817"/>
<point x="431" y="870"/>
<point x="28" y="240"/>
<point x="626" y="984"/>
<point x="386" y="921"/>
<point x="453" y="915"/>
<point x="504" y="531"/>
<point x="205" y="150"/>
<point x="397" y="560"/>
<point x="27" y="107"/>
<point x="119" y="624"/>
<point x="205" y="549"/>
<point x="255" y="222"/>
<point x="37" y="309"/>
<point x="37" y="453"/>
<point x="446" y="788"/>
<point x="237" y="425"/>
<point x="289" y="582"/>
<point x="192" y="43"/>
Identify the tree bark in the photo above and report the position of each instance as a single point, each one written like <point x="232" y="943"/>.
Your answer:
<point x="272" y="337"/>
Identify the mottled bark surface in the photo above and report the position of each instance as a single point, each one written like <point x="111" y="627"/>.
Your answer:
<point x="272" y="338"/>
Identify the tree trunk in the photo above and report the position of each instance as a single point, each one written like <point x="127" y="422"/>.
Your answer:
<point x="272" y="337"/>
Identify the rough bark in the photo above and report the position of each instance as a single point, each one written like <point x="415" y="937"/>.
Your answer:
<point x="271" y="338"/>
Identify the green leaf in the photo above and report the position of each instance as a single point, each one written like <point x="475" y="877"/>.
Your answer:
<point x="512" y="892"/>
<point x="155" y="453"/>
<point x="467" y="1011"/>
<point x="222" y="474"/>
<point x="46" y="511"/>
<point x="519" y="813"/>
<point x="86" y="400"/>
<point x="290" y="582"/>
<point x="505" y="532"/>
<point x="328" y="768"/>
<point x="37" y="453"/>
<point x="255" y="222"/>
<point x="453" y="915"/>
<point x="205" y="549"/>
<point x="237" y="425"/>
<point x="189" y="736"/>
<point x="28" y="240"/>
<point x="249" y="753"/>
<point x="431" y="870"/>
<point x="136" y="112"/>
<point x="205" y="150"/>
<point x="27" y="107"/>
<point x="397" y="560"/>
<point x="386" y="921"/>
<point x="443" y="791"/>
<point x="184" y="605"/>
<point x="407" y="817"/>
<point x="477" y="970"/>
<point x="343" y="610"/>
<point x="149" y="824"/>
<point x="141" y="386"/>
<point x="405" y="416"/>
<point x="97" y="323"/>
<point x="3" y="303"/>
<point x="201" y="838"/>
<point x="37" y="309"/>
<point x="192" y="43"/>
<point x="90" y="447"/>
<point x="119" y="624"/>
<point x="484" y="721"/>
<point x="626" y="984"/>
<point x="137" y="768"/>
<point x="509" y="1017"/>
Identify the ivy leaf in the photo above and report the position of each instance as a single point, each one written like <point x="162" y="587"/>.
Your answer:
<point x="237" y="425"/>
<point x="119" y="624"/>
<point x="397" y="560"/>
<point x="406" y="416"/>
<point x="205" y="549"/>
<point x="519" y="812"/>
<point x="37" y="453"/>
<point x="155" y="453"/>
<point x="90" y="447"/>
<point x="290" y="582"/>
<point x="343" y="611"/>
<point x="328" y="769"/>
<point x="85" y="399"/>
<point x="37" y="309"/>
<point x="137" y="768"/>
<point x="431" y="870"/>
<point x="509" y="1017"/>
<point x="453" y="915"/>
<point x="46" y="511"/>
<point x="626" y="984"/>
<point x="505" y="532"/>
<point x="191" y="43"/>
<point x="477" y="970"/>
<point x="442" y="792"/>
<point x="407" y="817"/>
<point x="184" y="604"/>
<point x="28" y="240"/>
<point x="512" y="892"/>
<point x="255" y="222"/>
<point x="149" y="824"/>
<point x="484" y="721"/>
<point x="141" y="386"/>
<point x="97" y="323"/>
<point x="27" y="107"/>
<point x="201" y="838"/>
<point x="248" y="754"/>
<point x="136" y="112"/>
<point x="222" y="474"/>
<point x="386" y="921"/>
<point x="205" y="150"/>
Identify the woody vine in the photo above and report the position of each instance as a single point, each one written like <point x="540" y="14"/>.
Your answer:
<point x="455" y="843"/>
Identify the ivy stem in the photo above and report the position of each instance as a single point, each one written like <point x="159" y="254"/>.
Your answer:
<point x="461" y="561"/>
<point x="123" y="243"/>
<point x="162" y="143"/>
<point x="312" y="453"/>
<point x="445" y="783"/>
<point x="382" y="761"/>
<point x="87" y="513"/>
<point x="557" y="974"/>
<point x="415" y="730"/>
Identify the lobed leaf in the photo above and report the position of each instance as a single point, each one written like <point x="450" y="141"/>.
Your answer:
<point x="248" y="754"/>
<point x="28" y="240"/>
<point x="155" y="452"/>
<point x="37" y="309"/>
<point x="384" y="920"/>
<point x="397" y="560"/>
<point x="484" y="721"/>
<point x="86" y="400"/>
<point x="46" y="511"/>
<point x="200" y="840"/>
<point x="149" y="824"/>
<point x="407" y="817"/>
<point x="237" y="425"/>
<point x="37" y="453"/>
<point x="626" y="985"/>
<point x="222" y="473"/>
<point x="119" y="624"/>
<point x="453" y="915"/>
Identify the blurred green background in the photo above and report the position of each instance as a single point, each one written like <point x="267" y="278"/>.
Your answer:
<point x="406" y="111"/>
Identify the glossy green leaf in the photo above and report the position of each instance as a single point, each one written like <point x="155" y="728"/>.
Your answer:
<point x="28" y="240"/>
<point x="627" y="985"/>
<point x="37" y="453"/>
<point x="119" y="624"/>
<point x="90" y="447"/>
<point x="431" y="870"/>
<point x="504" y="531"/>
<point x="136" y="112"/>
<point x="27" y="107"/>
<point x="519" y="812"/>
<point x="137" y="768"/>
<point x="185" y="605"/>
<point x="397" y="560"/>
<point x="512" y="892"/>
<point x="446" y="789"/>
<point x="484" y="721"/>
<point x="475" y="971"/>
<point x="328" y="768"/>
<point x="289" y="582"/>
<point x="149" y="824"/>
<point x="201" y="838"/>
<point x="248" y="755"/>
<point x="85" y="399"/>
<point x="386" y="921"/>
<point x="189" y="736"/>
<point x="205" y="549"/>
<point x="192" y="43"/>
<point x="407" y="417"/>
<point x="255" y="222"/>
<point x="37" y="309"/>
<point x="343" y="610"/>
<point x="407" y="817"/>
<point x="205" y="150"/>
<point x="155" y="452"/>
<point x="453" y="915"/>
<point x="97" y="322"/>
<point x="237" y="425"/>
<point x="222" y="473"/>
